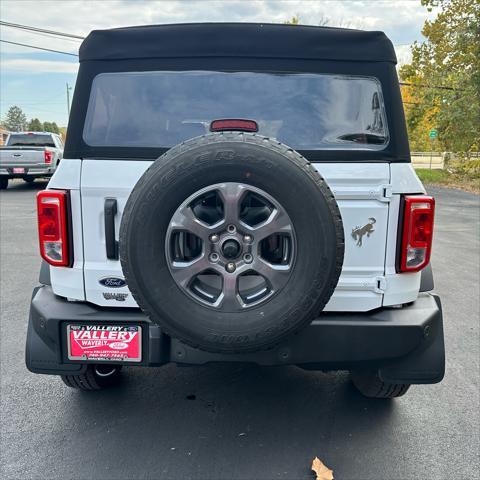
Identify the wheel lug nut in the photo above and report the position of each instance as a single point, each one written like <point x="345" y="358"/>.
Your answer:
<point x="232" y="229"/>
<point x="230" y="267"/>
<point x="214" y="238"/>
<point x="248" y="258"/>
<point x="213" y="257"/>
<point x="247" y="238"/>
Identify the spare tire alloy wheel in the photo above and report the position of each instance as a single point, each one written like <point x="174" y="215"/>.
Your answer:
<point x="231" y="242"/>
<point x="230" y="246"/>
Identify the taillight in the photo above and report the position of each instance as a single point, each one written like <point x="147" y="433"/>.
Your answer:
<point x="52" y="210"/>
<point x="234" y="124"/>
<point x="417" y="233"/>
<point x="48" y="156"/>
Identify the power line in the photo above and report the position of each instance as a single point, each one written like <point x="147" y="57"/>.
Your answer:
<point x="31" y="103"/>
<point x="38" y="101"/>
<point x="39" y="48"/>
<point x="437" y="87"/>
<point x="52" y="36"/>
<point x="419" y="103"/>
<point x="78" y="37"/>
<point x="41" y="30"/>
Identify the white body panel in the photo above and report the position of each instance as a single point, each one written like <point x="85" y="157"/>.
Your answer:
<point x="68" y="282"/>
<point x="400" y="288"/>
<point x="405" y="179"/>
<point x="117" y="183"/>
<point x="362" y="190"/>
<point x="360" y="193"/>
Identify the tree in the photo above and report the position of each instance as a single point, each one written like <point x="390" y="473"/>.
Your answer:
<point x="35" y="125"/>
<point x="295" y="20"/>
<point x="445" y="78"/>
<point x="50" y="127"/>
<point x="324" y="21"/>
<point x="15" y="120"/>
<point x="63" y="133"/>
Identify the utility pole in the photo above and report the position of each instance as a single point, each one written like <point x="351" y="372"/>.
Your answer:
<point x="68" y="99"/>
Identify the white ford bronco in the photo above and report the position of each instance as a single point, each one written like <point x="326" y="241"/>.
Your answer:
<point x="237" y="193"/>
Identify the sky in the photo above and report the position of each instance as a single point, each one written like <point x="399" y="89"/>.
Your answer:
<point x="37" y="81"/>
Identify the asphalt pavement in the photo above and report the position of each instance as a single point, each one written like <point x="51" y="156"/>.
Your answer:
<point x="241" y="421"/>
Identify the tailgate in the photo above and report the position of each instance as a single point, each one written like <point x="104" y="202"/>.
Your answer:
<point x="363" y="194"/>
<point x="22" y="157"/>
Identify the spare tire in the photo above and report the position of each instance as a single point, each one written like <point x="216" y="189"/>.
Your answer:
<point x="231" y="242"/>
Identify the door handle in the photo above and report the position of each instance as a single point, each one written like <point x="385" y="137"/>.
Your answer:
<point x="110" y="212"/>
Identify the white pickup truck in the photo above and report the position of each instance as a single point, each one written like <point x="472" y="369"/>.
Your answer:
<point x="29" y="155"/>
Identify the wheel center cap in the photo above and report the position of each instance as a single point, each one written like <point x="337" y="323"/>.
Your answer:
<point x="231" y="249"/>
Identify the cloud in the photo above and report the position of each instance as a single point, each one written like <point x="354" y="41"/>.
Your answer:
<point x="404" y="54"/>
<point x="402" y="20"/>
<point x="33" y="67"/>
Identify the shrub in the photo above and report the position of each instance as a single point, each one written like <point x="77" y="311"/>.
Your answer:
<point x="467" y="168"/>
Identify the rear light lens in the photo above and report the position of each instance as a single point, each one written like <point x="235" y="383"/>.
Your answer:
<point x="417" y="233"/>
<point x="52" y="210"/>
<point x="48" y="156"/>
<point x="234" y="124"/>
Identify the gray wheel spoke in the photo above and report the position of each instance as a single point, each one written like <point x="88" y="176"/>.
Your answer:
<point x="278" y="222"/>
<point x="230" y="299"/>
<point x="185" y="220"/>
<point x="276" y="275"/>
<point x="231" y="194"/>
<point x="184" y="272"/>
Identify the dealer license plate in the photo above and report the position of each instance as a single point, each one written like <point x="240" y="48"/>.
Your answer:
<point x="18" y="170"/>
<point x="106" y="343"/>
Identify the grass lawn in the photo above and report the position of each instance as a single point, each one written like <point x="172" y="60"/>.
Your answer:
<point x="447" y="179"/>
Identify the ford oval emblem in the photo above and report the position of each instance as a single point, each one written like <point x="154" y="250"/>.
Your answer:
<point x="112" y="282"/>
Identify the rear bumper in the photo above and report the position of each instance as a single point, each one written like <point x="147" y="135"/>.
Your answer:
<point x="36" y="170"/>
<point x="406" y="345"/>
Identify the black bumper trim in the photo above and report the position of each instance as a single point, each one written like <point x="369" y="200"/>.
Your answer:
<point x="405" y="344"/>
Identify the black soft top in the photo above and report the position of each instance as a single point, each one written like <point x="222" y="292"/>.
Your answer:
<point x="252" y="40"/>
<point x="239" y="47"/>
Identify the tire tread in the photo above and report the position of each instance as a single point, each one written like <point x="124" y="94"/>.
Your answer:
<point x="89" y="381"/>
<point x="371" y="385"/>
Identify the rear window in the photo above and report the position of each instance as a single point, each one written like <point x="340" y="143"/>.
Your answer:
<point x="305" y="111"/>
<point x="30" y="140"/>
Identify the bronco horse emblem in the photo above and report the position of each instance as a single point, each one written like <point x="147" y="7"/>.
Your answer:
<point x="359" y="232"/>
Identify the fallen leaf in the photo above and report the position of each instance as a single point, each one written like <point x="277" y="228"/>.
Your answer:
<point x="322" y="471"/>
